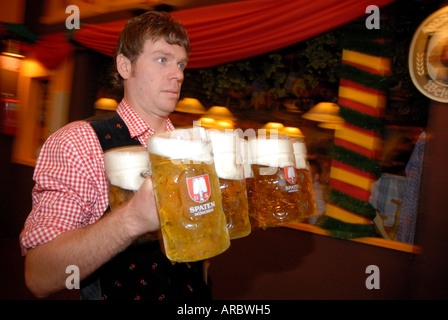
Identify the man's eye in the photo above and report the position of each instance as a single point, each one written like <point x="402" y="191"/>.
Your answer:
<point x="161" y="60"/>
<point x="181" y="66"/>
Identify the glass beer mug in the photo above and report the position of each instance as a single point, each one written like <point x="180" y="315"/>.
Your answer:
<point x="274" y="199"/>
<point x="307" y="204"/>
<point x="187" y="193"/>
<point x="229" y="167"/>
<point x="126" y="169"/>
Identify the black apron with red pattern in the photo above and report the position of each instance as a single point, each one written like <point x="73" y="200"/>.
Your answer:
<point x="142" y="271"/>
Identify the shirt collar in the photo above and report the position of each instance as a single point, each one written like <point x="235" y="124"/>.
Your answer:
<point x="136" y="125"/>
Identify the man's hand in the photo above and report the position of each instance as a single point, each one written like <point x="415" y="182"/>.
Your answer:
<point x="142" y="211"/>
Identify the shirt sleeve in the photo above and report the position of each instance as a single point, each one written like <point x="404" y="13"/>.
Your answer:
<point x="70" y="185"/>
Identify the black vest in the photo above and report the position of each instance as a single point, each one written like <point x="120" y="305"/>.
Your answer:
<point x="142" y="271"/>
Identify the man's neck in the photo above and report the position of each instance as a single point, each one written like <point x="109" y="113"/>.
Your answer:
<point x="158" y="124"/>
<point x="154" y="121"/>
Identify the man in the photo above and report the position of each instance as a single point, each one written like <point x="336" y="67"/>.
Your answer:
<point x="67" y="225"/>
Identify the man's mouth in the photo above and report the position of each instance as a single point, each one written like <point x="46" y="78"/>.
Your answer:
<point x="173" y="92"/>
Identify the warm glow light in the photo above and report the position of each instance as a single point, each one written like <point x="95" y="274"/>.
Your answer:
<point x="324" y="112"/>
<point x="273" y="125"/>
<point x="14" y="55"/>
<point x="218" y="112"/>
<point x="12" y="48"/>
<point x="10" y="63"/>
<point x="106" y="104"/>
<point x="211" y="123"/>
<point x="292" y="132"/>
<point x="330" y="125"/>
<point x="224" y="124"/>
<point x="190" y="105"/>
<point x="207" y="122"/>
<point x="32" y="68"/>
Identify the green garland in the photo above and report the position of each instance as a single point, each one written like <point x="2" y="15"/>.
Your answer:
<point x="344" y="230"/>
<point x="365" y="35"/>
<point x="21" y="31"/>
<point x="357" y="206"/>
<point x="361" y="120"/>
<point x="365" y="78"/>
<point x="371" y="42"/>
<point x="354" y="159"/>
<point x="372" y="47"/>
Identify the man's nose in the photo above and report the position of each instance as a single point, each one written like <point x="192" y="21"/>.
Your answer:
<point x="177" y="73"/>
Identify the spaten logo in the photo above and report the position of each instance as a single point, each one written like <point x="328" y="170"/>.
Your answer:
<point x="290" y="174"/>
<point x="199" y="188"/>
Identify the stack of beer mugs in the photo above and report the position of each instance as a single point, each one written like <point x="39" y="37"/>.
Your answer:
<point x="276" y="189"/>
<point x="188" y="195"/>
<point x="227" y="151"/>
<point x="307" y="204"/>
<point x="212" y="186"/>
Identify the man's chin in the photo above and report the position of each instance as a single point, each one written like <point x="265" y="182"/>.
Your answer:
<point x="169" y="109"/>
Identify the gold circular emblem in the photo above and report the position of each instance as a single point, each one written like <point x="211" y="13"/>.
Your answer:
<point x="428" y="56"/>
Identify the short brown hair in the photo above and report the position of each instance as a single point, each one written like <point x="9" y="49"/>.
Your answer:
<point x="151" y="25"/>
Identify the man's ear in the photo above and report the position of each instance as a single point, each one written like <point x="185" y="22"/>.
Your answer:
<point x="124" y="66"/>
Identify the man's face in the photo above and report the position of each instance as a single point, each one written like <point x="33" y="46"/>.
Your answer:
<point x="154" y="83"/>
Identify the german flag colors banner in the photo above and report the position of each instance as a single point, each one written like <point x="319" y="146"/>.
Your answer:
<point x="357" y="144"/>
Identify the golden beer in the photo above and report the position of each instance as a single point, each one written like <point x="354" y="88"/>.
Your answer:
<point x="125" y="170"/>
<point x="229" y="167"/>
<point x="307" y="206"/>
<point x="236" y="207"/>
<point x="187" y="194"/>
<point x="273" y="201"/>
<point x="118" y="196"/>
<point x="273" y="192"/>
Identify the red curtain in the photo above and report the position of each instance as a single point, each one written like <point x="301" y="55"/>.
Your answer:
<point x="50" y="49"/>
<point x="238" y="30"/>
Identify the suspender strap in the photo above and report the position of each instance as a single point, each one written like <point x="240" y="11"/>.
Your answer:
<point x="112" y="132"/>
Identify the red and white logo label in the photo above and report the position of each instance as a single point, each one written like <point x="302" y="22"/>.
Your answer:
<point x="199" y="188"/>
<point x="290" y="174"/>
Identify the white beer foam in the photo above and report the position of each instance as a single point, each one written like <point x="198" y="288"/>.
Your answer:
<point x="248" y="172"/>
<point x="271" y="152"/>
<point x="300" y="154"/>
<point x="223" y="141"/>
<point x="246" y="156"/>
<point x="226" y="151"/>
<point x="124" y="166"/>
<point x="182" y="144"/>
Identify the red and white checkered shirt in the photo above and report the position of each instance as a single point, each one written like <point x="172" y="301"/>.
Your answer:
<point x="70" y="182"/>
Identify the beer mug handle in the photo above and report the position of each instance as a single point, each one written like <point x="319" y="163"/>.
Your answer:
<point x="145" y="174"/>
